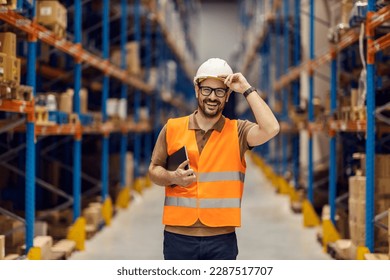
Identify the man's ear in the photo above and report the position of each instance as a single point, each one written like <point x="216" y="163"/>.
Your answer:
<point x="196" y="90"/>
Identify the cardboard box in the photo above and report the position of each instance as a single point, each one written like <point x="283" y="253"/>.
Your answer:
<point x="51" y="13"/>
<point x="346" y="8"/>
<point x="133" y="58"/>
<point x="358" y="233"/>
<point x="381" y="204"/>
<point x="357" y="211"/>
<point x="129" y="169"/>
<point x="65" y="245"/>
<point x="357" y="187"/>
<point x="40" y="228"/>
<point x="83" y="101"/>
<point x="382" y="165"/>
<point x="8" y="43"/>
<point x="14" y="229"/>
<point x="2" y="247"/>
<point x="11" y="4"/>
<point x="9" y="69"/>
<point x="44" y="243"/>
<point x="92" y="216"/>
<point x="66" y="101"/>
<point x="376" y="257"/>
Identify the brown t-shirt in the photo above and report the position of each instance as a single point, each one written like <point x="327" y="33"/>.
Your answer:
<point x="160" y="154"/>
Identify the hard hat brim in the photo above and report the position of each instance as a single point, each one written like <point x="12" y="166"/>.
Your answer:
<point x="201" y="79"/>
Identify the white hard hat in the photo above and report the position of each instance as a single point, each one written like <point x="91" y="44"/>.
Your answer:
<point x="212" y="68"/>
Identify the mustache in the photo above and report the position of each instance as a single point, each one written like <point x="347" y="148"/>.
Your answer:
<point x="213" y="101"/>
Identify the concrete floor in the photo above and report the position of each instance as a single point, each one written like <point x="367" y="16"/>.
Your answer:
<point x="269" y="229"/>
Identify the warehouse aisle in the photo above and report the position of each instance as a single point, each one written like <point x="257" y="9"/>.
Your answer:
<point x="269" y="229"/>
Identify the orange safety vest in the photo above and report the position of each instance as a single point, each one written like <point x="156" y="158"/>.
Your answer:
<point x="215" y="199"/>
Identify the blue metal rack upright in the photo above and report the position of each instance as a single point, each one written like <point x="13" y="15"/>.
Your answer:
<point x="30" y="144"/>
<point x="157" y="98"/>
<point x="105" y="94"/>
<point x="296" y="95"/>
<point x="76" y="109"/>
<point x="370" y="134"/>
<point x="137" y="101"/>
<point x="310" y="195"/>
<point x="124" y="89"/>
<point x="148" y="65"/>
<point x="332" y="142"/>
<point x="285" y="97"/>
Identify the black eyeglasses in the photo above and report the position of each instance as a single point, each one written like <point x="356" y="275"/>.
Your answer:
<point x="219" y="92"/>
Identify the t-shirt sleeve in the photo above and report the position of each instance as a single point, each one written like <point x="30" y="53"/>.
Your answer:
<point x="160" y="151"/>
<point x="243" y="127"/>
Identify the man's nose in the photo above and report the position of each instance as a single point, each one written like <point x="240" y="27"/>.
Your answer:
<point x="213" y="95"/>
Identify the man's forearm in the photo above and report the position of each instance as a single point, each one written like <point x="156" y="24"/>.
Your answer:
<point x="263" y="114"/>
<point x="160" y="176"/>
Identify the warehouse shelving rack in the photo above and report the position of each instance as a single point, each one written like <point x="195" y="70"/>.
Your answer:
<point x="374" y="20"/>
<point x="81" y="56"/>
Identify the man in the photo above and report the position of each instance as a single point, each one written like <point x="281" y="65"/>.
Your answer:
<point x="202" y="203"/>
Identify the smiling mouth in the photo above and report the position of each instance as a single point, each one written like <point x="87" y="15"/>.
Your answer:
<point x="212" y="104"/>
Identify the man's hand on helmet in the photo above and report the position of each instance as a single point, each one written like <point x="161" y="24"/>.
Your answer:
<point x="236" y="82"/>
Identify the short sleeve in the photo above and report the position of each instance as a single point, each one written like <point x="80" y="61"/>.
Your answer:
<point x="160" y="151"/>
<point x="243" y="127"/>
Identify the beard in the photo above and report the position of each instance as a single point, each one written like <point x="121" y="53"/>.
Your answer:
<point x="210" y="108"/>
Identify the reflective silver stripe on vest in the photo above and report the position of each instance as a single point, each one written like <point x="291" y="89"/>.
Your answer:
<point x="221" y="176"/>
<point x="180" y="201"/>
<point x="203" y="203"/>
<point x="220" y="203"/>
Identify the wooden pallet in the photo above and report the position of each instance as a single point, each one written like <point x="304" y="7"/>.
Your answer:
<point x="64" y="248"/>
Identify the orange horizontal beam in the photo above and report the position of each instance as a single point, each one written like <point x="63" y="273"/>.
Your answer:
<point x="64" y="129"/>
<point x="347" y="39"/>
<point x="17" y="106"/>
<point x="379" y="44"/>
<point x="39" y="32"/>
<point x="379" y="17"/>
<point x="349" y="126"/>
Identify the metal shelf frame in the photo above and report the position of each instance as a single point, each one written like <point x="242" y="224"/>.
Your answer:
<point x="374" y="19"/>
<point x="167" y="50"/>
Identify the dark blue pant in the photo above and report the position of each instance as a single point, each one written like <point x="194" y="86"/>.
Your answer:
<point x="184" y="247"/>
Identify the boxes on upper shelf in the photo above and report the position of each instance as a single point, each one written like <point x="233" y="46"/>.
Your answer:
<point x="9" y="69"/>
<point x="11" y="4"/>
<point x="53" y="15"/>
<point x="8" y="43"/>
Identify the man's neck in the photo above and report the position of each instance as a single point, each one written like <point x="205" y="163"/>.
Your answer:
<point x="204" y="122"/>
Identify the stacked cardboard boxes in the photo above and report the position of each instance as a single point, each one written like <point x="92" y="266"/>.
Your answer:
<point x="133" y="63"/>
<point x="14" y="233"/>
<point x="9" y="63"/>
<point x="357" y="210"/>
<point x="2" y="247"/>
<point x="357" y="200"/>
<point x="45" y="243"/>
<point x="53" y="15"/>
<point x="10" y="4"/>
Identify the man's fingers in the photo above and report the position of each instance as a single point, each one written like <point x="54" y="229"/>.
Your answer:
<point x="183" y="164"/>
<point x="188" y="172"/>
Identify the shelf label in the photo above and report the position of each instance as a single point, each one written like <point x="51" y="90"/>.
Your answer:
<point x="45" y="34"/>
<point x="45" y="11"/>
<point x="22" y="22"/>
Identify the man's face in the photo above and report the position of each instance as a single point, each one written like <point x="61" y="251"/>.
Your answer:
<point x="211" y="106"/>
